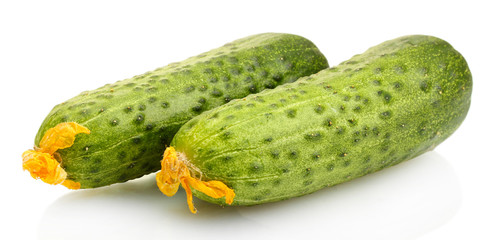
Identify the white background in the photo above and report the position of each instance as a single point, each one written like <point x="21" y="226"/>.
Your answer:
<point x="53" y="50"/>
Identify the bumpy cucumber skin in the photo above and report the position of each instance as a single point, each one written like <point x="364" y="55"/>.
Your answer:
<point x="390" y="104"/>
<point x="132" y="121"/>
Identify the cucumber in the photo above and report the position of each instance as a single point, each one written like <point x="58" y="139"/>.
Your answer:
<point x="392" y="103"/>
<point x="132" y="121"/>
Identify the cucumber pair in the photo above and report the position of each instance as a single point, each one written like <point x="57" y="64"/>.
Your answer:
<point x="233" y="142"/>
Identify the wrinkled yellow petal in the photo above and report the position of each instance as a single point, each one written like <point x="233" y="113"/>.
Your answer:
<point x="61" y="136"/>
<point x="214" y="189"/>
<point x="190" y="201"/>
<point x="168" y="179"/>
<point x="71" y="184"/>
<point x="41" y="162"/>
<point x="175" y="172"/>
<point x="43" y="166"/>
<point x="169" y="189"/>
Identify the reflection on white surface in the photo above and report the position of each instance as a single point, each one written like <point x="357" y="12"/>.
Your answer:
<point x="402" y="202"/>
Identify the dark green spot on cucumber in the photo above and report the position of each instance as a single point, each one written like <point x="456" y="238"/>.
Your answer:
<point x="313" y="136"/>
<point x="114" y="122"/>
<point x="291" y="113"/>
<point x="139" y="119"/>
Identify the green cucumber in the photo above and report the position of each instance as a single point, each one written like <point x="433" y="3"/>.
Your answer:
<point x="132" y="121"/>
<point x="390" y="104"/>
